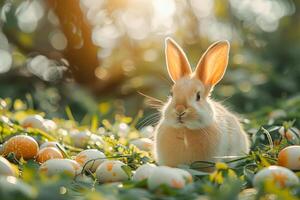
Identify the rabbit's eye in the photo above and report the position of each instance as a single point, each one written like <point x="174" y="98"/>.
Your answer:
<point x="171" y="94"/>
<point x="198" y="96"/>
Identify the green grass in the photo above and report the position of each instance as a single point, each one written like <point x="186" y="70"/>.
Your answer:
<point x="232" y="180"/>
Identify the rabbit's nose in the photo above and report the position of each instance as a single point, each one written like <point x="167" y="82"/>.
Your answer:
<point x="180" y="110"/>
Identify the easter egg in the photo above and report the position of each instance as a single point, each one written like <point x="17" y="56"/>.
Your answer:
<point x="34" y="121"/>
<point x="48" y="153"/>
<point x="185" y="174"/>
<point x="60" y="166"/>
<point x="6" y="168"/>
<point x="164" y="175"/>
<point x="111" y="171"/>
<point x="50" y="125"/>
<point x="80" y="138"/>
<point x="289" y="157"/>
<point x="144" y="144"/>
<point x="121" y="129"/>
<point x="147" y="131"/>
<point x="22" y="146"/>
<point x="85" y="158"/>
<point x="143" y="172"/>
<point x="96" y="139"/>
<point x="292" y="134"/>
<point x="51" y="144"/>
<point x="281" y="176"/>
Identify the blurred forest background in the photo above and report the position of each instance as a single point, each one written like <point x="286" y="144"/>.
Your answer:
<point x="95" y="55"/>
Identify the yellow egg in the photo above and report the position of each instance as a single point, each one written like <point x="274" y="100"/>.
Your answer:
<point x="111" y="171"/>
<point x="60" y="166"/>
<point x="280" y="176"/>
<point x="6" y="168"/>
<point x="48" y="153"/>
<point x="144" y="144"/>
<point x="163" y="175"/>
<point x="85" y="158"/>
<point x="143" y="172"/>
<point x="289" y="157"/>
<point x="22" y="146"/>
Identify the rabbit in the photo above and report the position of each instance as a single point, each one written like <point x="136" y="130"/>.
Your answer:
<point x="193" y="127"/>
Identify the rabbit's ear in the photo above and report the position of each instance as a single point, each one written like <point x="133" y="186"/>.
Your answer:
<point x="177" y="63"/>
<point x="212" y="65"/>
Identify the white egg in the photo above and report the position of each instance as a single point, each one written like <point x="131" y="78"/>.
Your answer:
<point x="60" y="166"/>
<point x="80" y="138"/>
<point x="144" y="144"/>
<point x="185" y="174"/>
<point x="147" y="131"/>
<point x="85" y="158"/>
<point x="50" y="125"/>
<point x="51" y="144"/>
<point x="143" y="172"/>
<point x="121" y="129"/>
<point x="6" y="168"/>
<point x="164" y="175"/>
<point x="97" y="139"/>
<point x="289" y="157"/>
<point x="281" y="176"/>
<point x="34" y="121"/>
<point x="111" y="171"/>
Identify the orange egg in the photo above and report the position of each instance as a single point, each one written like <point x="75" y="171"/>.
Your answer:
<point x="48" y="153"/>
<point x="289" y="157"/>
<point x="22" y="146"/>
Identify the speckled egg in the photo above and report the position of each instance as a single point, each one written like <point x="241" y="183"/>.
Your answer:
<point x="289" y="157"/>
<point x="6" y="168"/>
<point x="164" y="175"/>
<point x="143" y="172"/>
<point x="22" y="146"/>
<point x="34" y="121"/>
<point x="111" y="171"/>
<point x="144" y="144"/>
<point x="60" y="166"/>
<point x="281" y="176"/>
<point x="48" y="153"/>
<point x="85" y="158"/>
